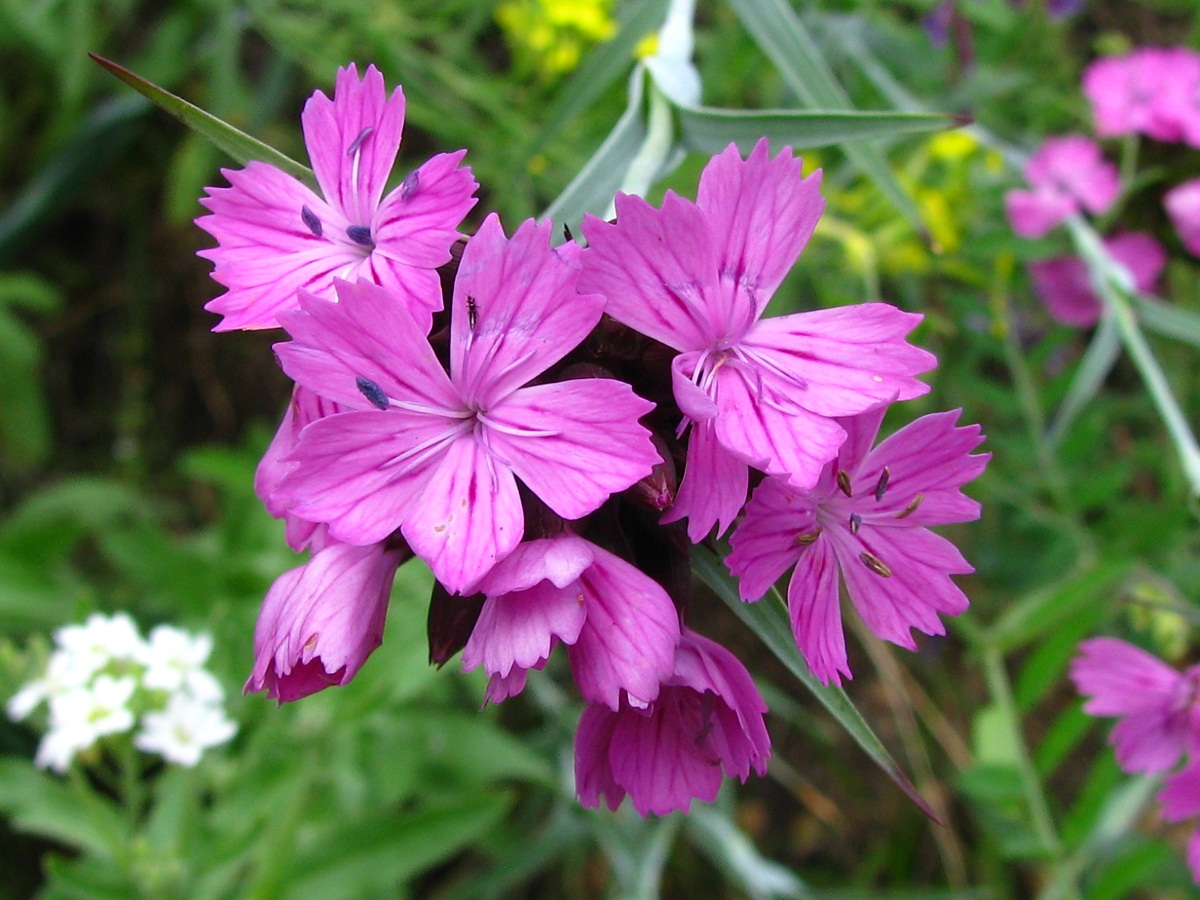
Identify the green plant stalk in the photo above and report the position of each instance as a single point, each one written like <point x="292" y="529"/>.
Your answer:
<point x="1110" y="282"/>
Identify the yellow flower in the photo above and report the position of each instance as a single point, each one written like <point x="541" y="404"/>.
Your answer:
<point x="549" y="37"/>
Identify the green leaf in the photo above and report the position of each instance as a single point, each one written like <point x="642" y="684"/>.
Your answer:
<point x="709" y="130"/>
<point x="777" y="29"/>
<point x="40" y="804"/>
<point x="1101" y="356"/>
<point x="237" y="144"/>
<point x="1168" y="320"/>
<point x="769" y="620"/>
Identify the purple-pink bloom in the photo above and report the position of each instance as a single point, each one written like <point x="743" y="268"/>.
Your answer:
<point x="620" y="626"/>
<point x="438" y="455"/>
<point x="1065" y="287"/>
<point x="755" y="392"/>
<point x="320" y="621"/>
<point x="868" y="516"/>
<point x="276" y="236"/>
<point x="707" y="722"/>
<point x="1182" y="203"/>
<point x="1067" y="174"/>
<point x="1152" y="90"/>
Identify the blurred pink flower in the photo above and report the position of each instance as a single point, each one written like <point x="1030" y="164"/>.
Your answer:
<point x="276" y="236"/>
<point x="619" y="624"/>
<point x="1065" y="288"/>
<point x="438" y="455"/>
<point x="755" y="392"/>
<point x="706" y="723"/>
<point x="1182" y="203"/>
<point x="868" y="517"/>
<point x="1151" y="90"/>
<point x="320" y="621"/>
<point x="1067" y="174"/>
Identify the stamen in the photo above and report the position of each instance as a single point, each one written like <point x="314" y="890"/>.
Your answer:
<point x="360" y="234"/>
<point x="875" y="564"/>
<point x="843" y="482"/>
<point x="809" y="537"/>
<point x="882" y="485"/>
<point x="472" y="313"/>
<point x="372" y="392"/>
<point x="356" y="144"/>
<point x="311" y="220"/>
<point x="567" y="232"/>
<point x="911" y="508"/>
<point x="409" y="185"/>
<point x="855" y="523"/>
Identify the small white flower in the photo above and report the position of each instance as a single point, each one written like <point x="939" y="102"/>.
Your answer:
<point x="172" y="657"/>
<point x="184" y="730"/>
<point x="100" y="640"/>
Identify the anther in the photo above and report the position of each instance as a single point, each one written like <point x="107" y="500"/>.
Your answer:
<point x="809" y="537"/>
<point x="875" y="564"/>
<point x="567" y="232"/>
<point x="311" y="220"/>
<point x="911" y="508"/>
<point x="855" y="523"/>
<point x="356" y="144"/>
<point x="360" y="234"/>
<point x="882" y="485"/>
<point x="409" y="185"/>
<point x="472" y="313"/>
<point x="843" y="482"/>
<point x="372" y="392"/>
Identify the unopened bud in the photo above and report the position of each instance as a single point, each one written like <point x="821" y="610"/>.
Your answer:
<point x="657" y="490"/>
<point x="450" y="623"/>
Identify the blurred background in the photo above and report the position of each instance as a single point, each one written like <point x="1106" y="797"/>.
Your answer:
<point x="129" y="434"/>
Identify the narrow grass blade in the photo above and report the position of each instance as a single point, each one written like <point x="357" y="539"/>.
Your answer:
<point x="1168" y="320"/>
<point x="708" y="130"/>
<point x="241" y="146"/>
<point x="1101" y="356"/>
<point x="768" y="619"/>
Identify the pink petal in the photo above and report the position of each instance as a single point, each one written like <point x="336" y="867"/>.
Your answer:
<point x="1149" y="739"/>
<point x="593" y="771"/>
<point x="713" y="488"/>
<point x="761" y="215"/>
<point x="418" y="221"/>
<point x="628" y="641"/>
<point x="654" y="267"/>
<point x="1074" y="165"/>
<point x="527" y="314"/>
<point x="1033" y="214"/>
<point x="353" y="182"/>
<point x="305" y="407"/>
<point x="574" y="443"/>
<point x="764" y="544"/>
<point x="1121" y="678"/>
<point x="1065" y="289"/>
<point x="1141" y="254"/>
<point x="816" y="613"/>
<point x="1183" y="206"/>
<point x="469" y="516"/>
<point x="559" y="560"/>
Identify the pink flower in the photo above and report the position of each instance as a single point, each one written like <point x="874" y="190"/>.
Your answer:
<point x="1067" y="174"/>
<point x="755" y="392"/>
<point x="1151" y="90"/>
<point x="1180" y="799"/>
<point x="707" y="721"/>
<point x="1183" y="206"/>
<point x="621" y="627"/>
<point x="321" y="621"/>
<point x="438" y="455"/>
<point x="868" y="518"/>
<point x="1155" y="703"/>
<point x="275" y="236"/>
<point x="1065" y="287"/>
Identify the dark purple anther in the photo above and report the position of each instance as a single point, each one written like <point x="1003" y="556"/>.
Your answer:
<point x="358" y="141"/>
<point x="409" y="185"/>
<point x="360" y="234"/>
<point x="311" y="220"/>
<point x="372" y="392"/>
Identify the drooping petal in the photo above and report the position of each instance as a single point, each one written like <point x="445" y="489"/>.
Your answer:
<point x="516" y="310"/>
<point x="305" y="407"/>
<point x="917" y="590"/>
<point x="765" y="543"/>
<point x="1034" y="214"/>
<point x="369" y="333"/>
<point x="418" y="221"/>
<point x="1180" y="795"/>
<point x="469" y="516"/>
<point x="352" y="164"/>
<point x="761" y="214"/>
<point x="574" y="443"/>
<point x="1119" y="678"/>
<point x="713" y="488"/>
<point x="654" y="268"/>
<point x="1149" y="739"/>
<point x="816" y="613"/>
<point x="628" y="641"/>
<point x="593" y="771"/>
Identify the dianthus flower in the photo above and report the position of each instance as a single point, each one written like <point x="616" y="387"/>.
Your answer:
<point x="437" y="455"/>
<point x="1151" y="90"/>
<point x="1159" y="720"/>
<point x="1182" y="203"/>
<point x="706" y="722"/>
<point x="1068" y="174"/>
<point x="620" y="626"/>
<point x="276" y="236"/>
<point x="1064" y="285"/>
<point x="756" y="392"/>
<point x="868" y="517"/>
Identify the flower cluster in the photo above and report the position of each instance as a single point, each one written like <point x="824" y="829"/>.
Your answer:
<point x="1151" y="91"/>
<point x="539" y="438"/>
<point x="105" y="679"/>
<point x="1159" y="721"/>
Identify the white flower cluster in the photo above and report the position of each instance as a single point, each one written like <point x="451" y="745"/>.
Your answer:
<point x="104" y="679"/>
